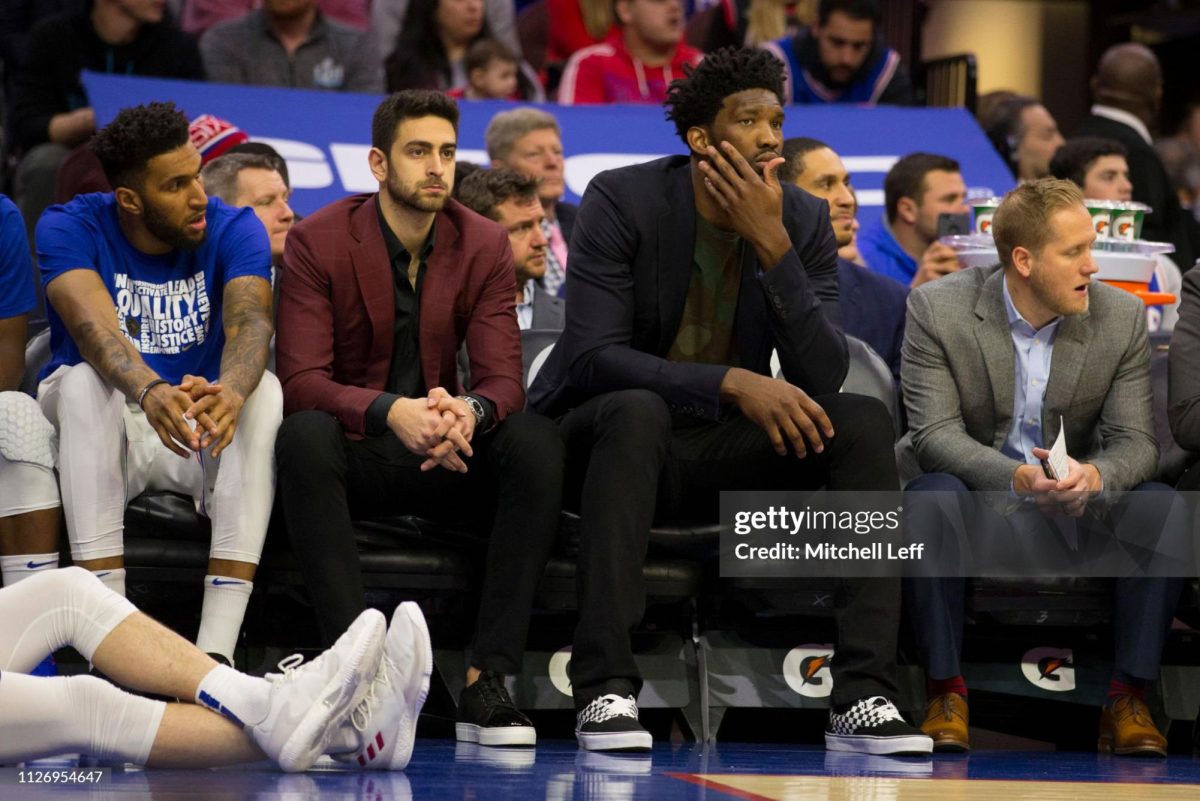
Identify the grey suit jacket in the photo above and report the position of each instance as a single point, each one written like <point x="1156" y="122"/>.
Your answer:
<point x="958" y="373"/>
<point x="549" y="312"/>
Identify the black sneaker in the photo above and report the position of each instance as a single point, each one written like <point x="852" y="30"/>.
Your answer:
<point x="610" y="723"/>
<point x="873" y="725"/>
<point x="488" y="716"/>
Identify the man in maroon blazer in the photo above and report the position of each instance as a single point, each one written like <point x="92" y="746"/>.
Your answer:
<point x="378" y="293"/>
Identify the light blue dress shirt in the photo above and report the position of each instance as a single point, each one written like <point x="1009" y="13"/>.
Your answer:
<point x="1032" y="351"/>
<point x="525" y="308"/>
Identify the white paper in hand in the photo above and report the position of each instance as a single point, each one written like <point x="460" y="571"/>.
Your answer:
<point x="1059" y="466"/>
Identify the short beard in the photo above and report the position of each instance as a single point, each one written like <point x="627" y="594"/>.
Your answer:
<point x="410" y="195"/>
<point x="162" y="230"/>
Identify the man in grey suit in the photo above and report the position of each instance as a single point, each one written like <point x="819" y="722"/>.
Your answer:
<point x="511" y="199"/>
<point x="993" y="359"/>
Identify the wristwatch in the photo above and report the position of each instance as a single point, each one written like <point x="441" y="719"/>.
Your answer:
<point x="475" y="406"/>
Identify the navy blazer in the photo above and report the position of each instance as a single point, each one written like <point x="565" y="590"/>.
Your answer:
<point x="631" y="266"/>
<point x="873" y="309"/>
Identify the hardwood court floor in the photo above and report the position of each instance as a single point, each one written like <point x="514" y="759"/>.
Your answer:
<point x="557" y="771"/>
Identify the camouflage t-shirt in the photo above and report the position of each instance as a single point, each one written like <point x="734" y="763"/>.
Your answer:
<point x="706" y="330"/>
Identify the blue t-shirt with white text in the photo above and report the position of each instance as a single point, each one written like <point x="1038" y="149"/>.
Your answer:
<point x="168" y="306"/>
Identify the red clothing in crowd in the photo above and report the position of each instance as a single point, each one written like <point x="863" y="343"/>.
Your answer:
<point x="608" y="73"/>
<point x="566" y="33"/>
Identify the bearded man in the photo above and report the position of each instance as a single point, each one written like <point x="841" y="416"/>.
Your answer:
<point x="378" y="294"/>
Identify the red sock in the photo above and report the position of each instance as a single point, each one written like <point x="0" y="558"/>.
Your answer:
<point x="936" y="687"/>
<point x="1117" y="687"/>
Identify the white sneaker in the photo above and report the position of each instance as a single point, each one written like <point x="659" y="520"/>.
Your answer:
<point x="309" y="702"/>
<point x="385" y="721"/>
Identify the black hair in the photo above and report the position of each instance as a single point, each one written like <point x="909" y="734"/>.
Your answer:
<point x="695" y="99"/>
<point x="136" y="135"/>
<point x="407" y="105"/>
<point x="794" y="151"/>
<point x="855" y="9"/>
<point x="483" y="190"/>
<point x="419" y="59"/>
<point x="906" y="178"/>
<point x="1075" y="157"/>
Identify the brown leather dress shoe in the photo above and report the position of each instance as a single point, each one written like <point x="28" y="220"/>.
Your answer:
<point x="946" y="722"/>
<point x="1126" y="728"/>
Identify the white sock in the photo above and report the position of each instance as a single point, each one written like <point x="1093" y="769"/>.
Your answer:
<point x="222" y="614"/>
<point x="113" y="578"/>
<point x="21" y="566"/>
<point x="243" y="699"/>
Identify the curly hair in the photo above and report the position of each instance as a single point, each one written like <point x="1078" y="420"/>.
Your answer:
<point x="696" y="98"/>
<point x="138" y="134"/>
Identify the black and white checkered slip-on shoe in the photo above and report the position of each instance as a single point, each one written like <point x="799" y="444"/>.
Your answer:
<point x="610" y="723"/>
<point x="873" y="725"/>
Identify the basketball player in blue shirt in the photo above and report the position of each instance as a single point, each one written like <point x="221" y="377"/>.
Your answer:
<point x="160" y="321"/>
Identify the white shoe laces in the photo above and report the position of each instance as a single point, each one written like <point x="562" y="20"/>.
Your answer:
<point x="607" y="707"/>
<point x="360" y="716"/>
<point x="288" y="666"/>
<point x="881" y="712"/>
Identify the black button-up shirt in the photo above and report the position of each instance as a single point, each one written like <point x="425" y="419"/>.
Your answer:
<point x="405" y="377"/>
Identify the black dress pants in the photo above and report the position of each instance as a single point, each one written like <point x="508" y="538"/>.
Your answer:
<point x="628" y="456"/>
<point x="513" y="484"/>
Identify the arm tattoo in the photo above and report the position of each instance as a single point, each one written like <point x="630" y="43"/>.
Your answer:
<point x="113" y="357"/>
<point x="248" y="329"/>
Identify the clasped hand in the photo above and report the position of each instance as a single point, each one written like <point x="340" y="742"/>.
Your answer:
<point x="1069" y="495"/>
<point x="438" y="426"/>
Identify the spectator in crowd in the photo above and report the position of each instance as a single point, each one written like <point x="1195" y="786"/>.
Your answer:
<point x="375" y="677"/>
<point x="903" y="243"/>
<point x="872" y="305"/>
<point x="431" y="50"/>
<point x="291" y="43"/>
<point x="29" y="503"/>
<point x="245" y="179"/>
<point x="636" y="62"/>
<point x="528" y="140"/>
<point x="197" y="16"/>
<point x="1181" y="160"/>
<point x="52" y="112"/>
<point x="679" y="264"/>
<point x="744" y="23"/>
<point x="574" y="25"/>
<point x="1127" y="95"/>
<point x="843" y="59"/>
<point x="160" y="317"/>
<point x="377" y="422"/>
<point x="511" y="199"/>
<point x="494" y="73"/>
<point x="214" y="137"/>
<point x="1030" y="337"/>
<point x="389" y="19"/>
<point x="1099" y="168"/>
<point x="1025" y="136"/>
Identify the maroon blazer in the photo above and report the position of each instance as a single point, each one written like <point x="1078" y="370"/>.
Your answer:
<point x="333" y="346"/>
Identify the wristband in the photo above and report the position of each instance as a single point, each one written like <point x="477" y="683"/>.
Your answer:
<point x="146" y="389"/>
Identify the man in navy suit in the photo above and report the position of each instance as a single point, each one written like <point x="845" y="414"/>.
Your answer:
<point x="872" y="304"/>
<point x="686" y="272"/>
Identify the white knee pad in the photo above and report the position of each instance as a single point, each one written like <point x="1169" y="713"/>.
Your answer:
<point x="25" y="433"/>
